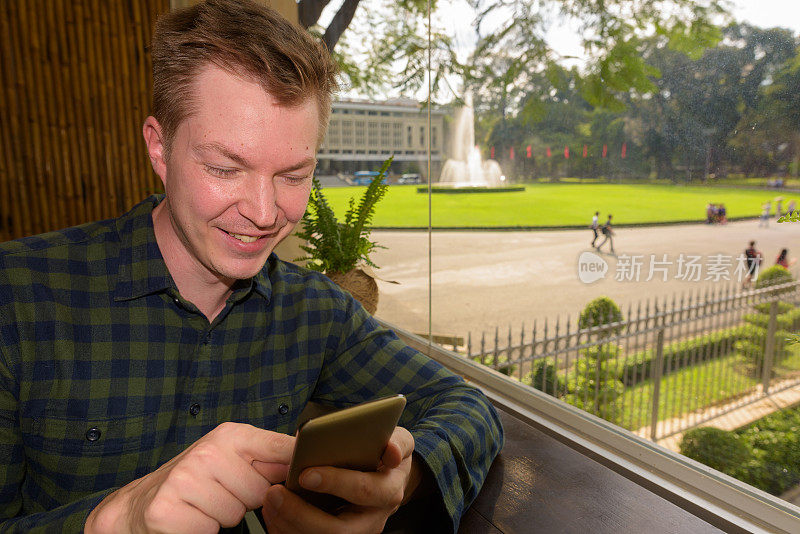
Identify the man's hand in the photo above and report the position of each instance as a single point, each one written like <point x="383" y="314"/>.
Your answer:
<point x="211" y="484"/>
<point x="374" y="496"/>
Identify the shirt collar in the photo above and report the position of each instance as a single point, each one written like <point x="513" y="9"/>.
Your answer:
<point x="142" y="269"/>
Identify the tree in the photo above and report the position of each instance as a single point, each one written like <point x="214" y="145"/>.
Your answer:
<point x="507" y="57"/>
<point x="510" y="52"/>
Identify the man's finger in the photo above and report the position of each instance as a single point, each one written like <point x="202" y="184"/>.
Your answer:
<point x="273" y="472"/>
<point x="285" y="512"/>
<point x="178" y="518"/>
<point x="214" y="500"/>
<point x="400" y="446"/>
<point x="253" y="443"/>
<point x="383" y="489"/>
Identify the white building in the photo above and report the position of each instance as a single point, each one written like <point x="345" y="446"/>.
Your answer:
<point x="363" y="134"/>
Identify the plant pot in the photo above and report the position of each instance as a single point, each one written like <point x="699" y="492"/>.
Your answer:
<point x="359" y="284"/>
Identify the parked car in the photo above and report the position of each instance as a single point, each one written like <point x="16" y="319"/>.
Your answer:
<point x="365" y="177"/>
<point x="411" y="178"/>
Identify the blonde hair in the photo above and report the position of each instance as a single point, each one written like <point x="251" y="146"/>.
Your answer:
<point x="244" y="38"/>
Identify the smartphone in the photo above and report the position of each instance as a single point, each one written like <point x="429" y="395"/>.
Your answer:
<point x="352" y="438"/>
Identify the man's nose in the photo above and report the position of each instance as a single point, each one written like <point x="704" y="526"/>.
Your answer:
<point x="258" y="202"/>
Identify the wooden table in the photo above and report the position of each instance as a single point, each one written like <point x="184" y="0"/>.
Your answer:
<point x="539" y="484"/>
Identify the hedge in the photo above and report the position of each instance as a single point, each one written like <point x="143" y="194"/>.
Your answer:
<point x="764" y="454"/>
<point x="677" y="355"/>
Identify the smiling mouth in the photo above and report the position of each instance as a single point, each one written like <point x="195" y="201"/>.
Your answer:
<point x="244" y="238"/>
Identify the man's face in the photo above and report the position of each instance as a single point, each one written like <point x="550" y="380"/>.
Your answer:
<point x="237" y="179"/>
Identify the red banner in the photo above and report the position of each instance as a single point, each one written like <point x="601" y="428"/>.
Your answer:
<point x="585" y="150"/>
<point x="605" y="150"/>
<point x="529" y="151"/>
<point x="511" y="153"/>
<point x="624" y="149"/>
<point x="566" y="152"/>
<point x="548" y="152"/>
<point x="491" y="153"/>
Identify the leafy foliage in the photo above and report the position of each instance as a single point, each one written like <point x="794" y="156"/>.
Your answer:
<point x="335" y="246"/>
<point x="772" y="276"/>
<point x="601" y="311"/>
<point x="719" y="449"/>
<point x="765" y="454"/>
<point x="544" y="377"/>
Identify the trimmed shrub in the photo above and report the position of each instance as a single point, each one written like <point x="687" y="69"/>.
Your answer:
<point x="501" y="365"/>
<point x="544" y="377"/>
<point x="596" y="391"/>
<point x="680" y="354"/>
<point x="600" y="311"/>
<point x="720" y="449"/>
<point x="773" y="276"/>
<point x="764" y="454"/>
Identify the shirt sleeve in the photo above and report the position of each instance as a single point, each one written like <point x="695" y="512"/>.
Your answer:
<point x="13" y="517"/>
<point x="457" y="432"/>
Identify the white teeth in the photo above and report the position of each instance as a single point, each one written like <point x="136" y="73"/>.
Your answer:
<point x="244" y="238"/>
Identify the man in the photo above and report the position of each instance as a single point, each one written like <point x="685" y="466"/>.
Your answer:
<point x="153" y="367"/>
<point x="608" y="234"/>
<point x="594" y="227"/>
<point x="753" y="258"/>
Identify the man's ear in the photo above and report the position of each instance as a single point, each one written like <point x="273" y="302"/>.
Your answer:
<point x="154" y="139"/>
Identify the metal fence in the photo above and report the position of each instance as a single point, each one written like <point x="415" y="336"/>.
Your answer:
<point x="664" y="366"/>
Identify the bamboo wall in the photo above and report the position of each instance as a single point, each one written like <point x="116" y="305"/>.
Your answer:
<point x="75" y="85"/>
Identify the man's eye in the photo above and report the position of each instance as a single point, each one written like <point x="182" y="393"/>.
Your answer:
<point x="296" y="180"/>
<point x="221" y="171"/>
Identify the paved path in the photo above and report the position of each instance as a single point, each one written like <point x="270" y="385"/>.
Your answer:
<point x="484" y="279"/>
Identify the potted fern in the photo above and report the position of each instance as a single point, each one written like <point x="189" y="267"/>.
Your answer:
<point x="341" y="249"/>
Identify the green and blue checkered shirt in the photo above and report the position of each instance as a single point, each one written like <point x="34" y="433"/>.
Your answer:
<point x="106" y="372"/>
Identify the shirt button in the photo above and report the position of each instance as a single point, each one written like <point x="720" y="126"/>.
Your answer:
<point x="283" y="409"/>
<point x="194" y="409"/>
<point x="93" y="434"/>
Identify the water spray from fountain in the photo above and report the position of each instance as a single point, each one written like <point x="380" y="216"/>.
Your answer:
<point x="466" y="168"/>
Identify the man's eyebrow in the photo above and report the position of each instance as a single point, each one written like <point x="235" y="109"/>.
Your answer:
<point x="222" y="149"/>
<point x="309" y="161"/>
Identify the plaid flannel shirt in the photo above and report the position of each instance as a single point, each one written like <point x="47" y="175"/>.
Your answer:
<point x="106" y="372"/>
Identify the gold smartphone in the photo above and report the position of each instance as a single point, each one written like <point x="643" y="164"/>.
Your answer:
<point x="352" y="438"/>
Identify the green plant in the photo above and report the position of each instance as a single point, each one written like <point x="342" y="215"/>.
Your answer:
<point x="600" y="311"/>
<point x="335" y="246"/>
<point x="501" y="365"/>
<point x="720" y="449"/>
<point x="544" y="377"/>
<point x="764" y="454"/>
<point x="773" y="276"/>
<point x="752" y="345"/>
<point x="685" y="353"/>
<point x="794" y="217"/>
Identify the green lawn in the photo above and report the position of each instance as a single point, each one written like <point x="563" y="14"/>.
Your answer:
<point x="555" y="205"/>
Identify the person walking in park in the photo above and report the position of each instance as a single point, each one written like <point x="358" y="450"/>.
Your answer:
<point x="595" y="227"/>
<point x="783" y="259"/>
<point x="608" y="233"/>
<point x="753" y="258"/>
<point x="764" y="219"/>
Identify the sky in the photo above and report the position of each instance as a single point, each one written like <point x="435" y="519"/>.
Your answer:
<point x="763" y="13"/>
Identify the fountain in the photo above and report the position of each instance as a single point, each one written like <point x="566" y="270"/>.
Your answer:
<point x="466" y="171"/>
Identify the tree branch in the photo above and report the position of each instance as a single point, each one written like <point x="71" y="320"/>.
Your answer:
<point x="339" y="23"/>
<point x="308" y="11"/>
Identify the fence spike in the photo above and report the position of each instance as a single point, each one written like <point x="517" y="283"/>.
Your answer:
<point x="469" y="344"/>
